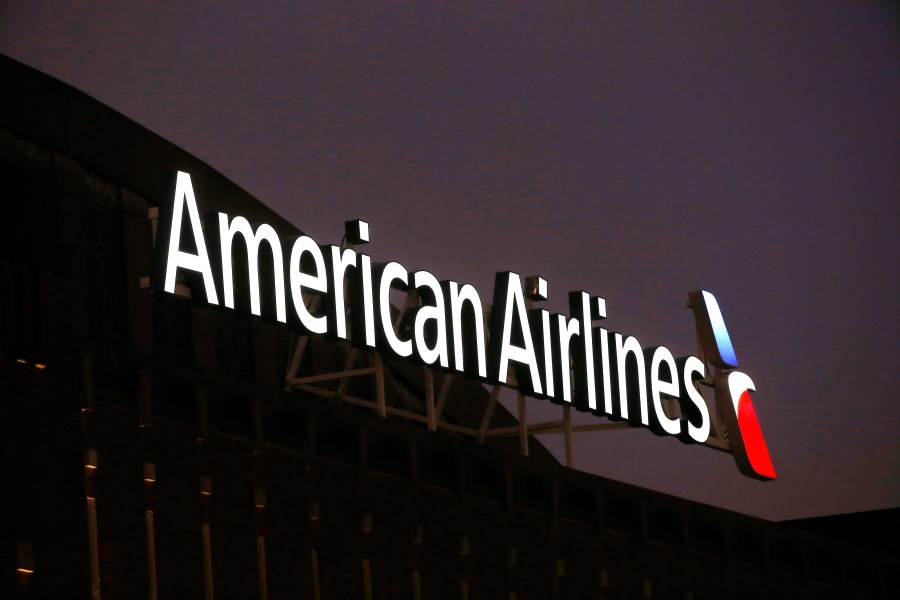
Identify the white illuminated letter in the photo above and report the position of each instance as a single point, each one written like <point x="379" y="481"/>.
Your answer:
<point x="365" y="264"/>
<point x="694" y="365"/>
<point x="605" y="371"/>
<point x="587" y="339"/>
<point x="424" y="279"/>
<point x="459" y="296"/>
<point x="184" y="196"/>
<point x="263" y="232"/>
<point x="567" y="328"/>
<point x="624" y="347"/>
<point x="548" y="353"/>
<point x="515" y="303"/>
<point x="341" y="260"/>
<point x="658" y="387"/>
<point x="300" y="280"/>
<point x="392" y="271"/>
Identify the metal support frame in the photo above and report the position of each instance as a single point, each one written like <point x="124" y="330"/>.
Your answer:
<point x="436" y="398"/>
<point x="718" y="437"/>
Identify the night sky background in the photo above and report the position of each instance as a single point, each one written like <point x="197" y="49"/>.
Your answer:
<point x="635" y="150"/>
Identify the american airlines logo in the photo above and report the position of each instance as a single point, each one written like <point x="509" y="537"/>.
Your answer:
<point x="342" y="293"/>
<point x="732" y="389"/>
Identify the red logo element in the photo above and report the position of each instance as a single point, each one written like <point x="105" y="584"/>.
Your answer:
<point x="744" y="432"/>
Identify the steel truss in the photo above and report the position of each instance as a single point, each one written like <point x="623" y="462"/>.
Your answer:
<point x="437" y="396"/>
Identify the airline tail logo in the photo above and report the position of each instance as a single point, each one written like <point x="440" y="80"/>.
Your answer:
<point x="732" y="390"/>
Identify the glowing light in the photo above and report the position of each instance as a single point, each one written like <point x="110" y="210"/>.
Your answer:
<point x="757" y="453"/>
<point x="660" y="387"/>
<point x="392" y="271"/>
<point x="625" y="346"/>
<point x="299" y="280"/>
<point x="425" y="351"/>
<point x="184" y="197"/>
<point x="25" y="557"/>
<point x="723" y="340"/>
<point x="694" y="368"/>
<point x="90" y="458"/>
<point x="512" y="305"/>
<point x="240" y="225"/>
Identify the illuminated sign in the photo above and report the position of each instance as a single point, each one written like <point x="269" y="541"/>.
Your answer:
<point x="732" y="390"/>
<point x="564" y="359"/>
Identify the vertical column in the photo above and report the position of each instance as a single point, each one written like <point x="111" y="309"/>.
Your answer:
<point x="202" y="398"/>
<point x="87" y="380"/>
<point x="151" y="555"/>
<point x="260" y="503"/>
<point x="523" y="425"/>
<point x="417" y="586"/>
<point x="261" y="558"/>
<point x="92" y="544"/>
<point x="367" y="579"/>
<point x="207" y="563"/>
<point x="145" y="401"/>
<point x="379" y="384"/>
<point x="314" y="565"/>
<point x="429" y="400"/>
<point x="256" y="408"/>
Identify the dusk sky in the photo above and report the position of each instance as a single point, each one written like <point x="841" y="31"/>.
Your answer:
<point x="636" y="150"/>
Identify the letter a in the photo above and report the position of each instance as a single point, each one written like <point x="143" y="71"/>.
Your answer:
<point x="168" y="257"/>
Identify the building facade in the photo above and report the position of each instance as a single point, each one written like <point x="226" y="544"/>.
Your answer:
<point x="152" y="449"/>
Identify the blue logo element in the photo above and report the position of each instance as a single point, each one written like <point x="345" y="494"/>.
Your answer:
<point x="720" y="332"/>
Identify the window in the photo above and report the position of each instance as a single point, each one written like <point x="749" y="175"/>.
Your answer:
<point x="622" y="514"/>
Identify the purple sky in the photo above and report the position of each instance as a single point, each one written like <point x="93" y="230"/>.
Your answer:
<point x="634" y="150"/>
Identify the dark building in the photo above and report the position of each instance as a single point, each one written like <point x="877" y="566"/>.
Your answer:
<point x="153" y="448"/>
